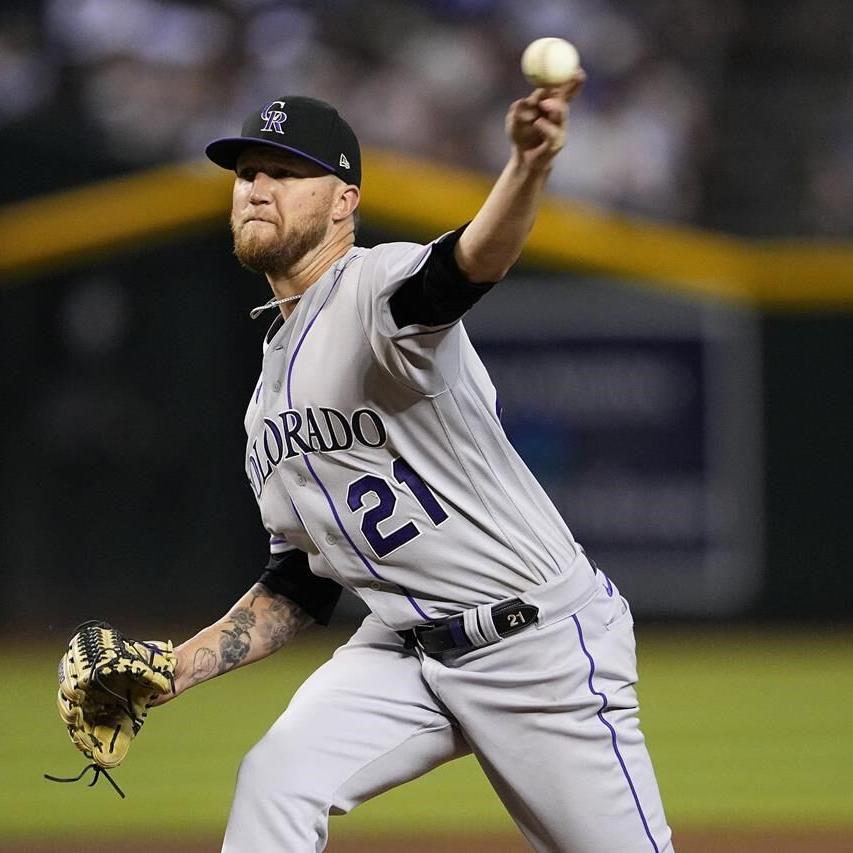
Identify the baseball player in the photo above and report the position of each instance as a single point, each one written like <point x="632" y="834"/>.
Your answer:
<point x="376" y="455"/>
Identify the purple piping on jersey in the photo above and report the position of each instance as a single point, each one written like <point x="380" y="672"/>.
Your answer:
<point x="258" y="392"/>
<point x="600" y="714"/>
<point x="277" y="540"/>
<point x="308" y="329"/>
<point x="307" y="461"/>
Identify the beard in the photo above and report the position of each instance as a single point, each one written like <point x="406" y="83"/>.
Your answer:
<point x="276" y="255"/>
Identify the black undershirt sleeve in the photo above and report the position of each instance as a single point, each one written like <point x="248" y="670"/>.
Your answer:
<point x="438" y="293"/>
<point x="288" y="575"/>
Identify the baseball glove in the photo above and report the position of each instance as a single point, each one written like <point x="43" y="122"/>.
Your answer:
<point x="106" y="684"/>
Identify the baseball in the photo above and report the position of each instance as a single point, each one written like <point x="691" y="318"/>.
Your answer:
<point x="549" y="62"/>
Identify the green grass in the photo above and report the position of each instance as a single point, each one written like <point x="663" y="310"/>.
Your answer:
<point x="751" y="728"/>
<point x="745" y="728"/>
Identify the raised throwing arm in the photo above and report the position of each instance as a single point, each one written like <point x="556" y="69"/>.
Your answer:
<point x="536" y="127"/>
<point x="260" y="623"/>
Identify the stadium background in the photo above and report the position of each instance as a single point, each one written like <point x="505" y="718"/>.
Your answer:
<point x="673" y="357"/>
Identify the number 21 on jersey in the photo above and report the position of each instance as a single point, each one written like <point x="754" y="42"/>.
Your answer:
<point x="384" y="544"/>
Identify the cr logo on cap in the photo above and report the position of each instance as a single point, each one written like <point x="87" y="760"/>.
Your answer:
<point x="273" y="117"/>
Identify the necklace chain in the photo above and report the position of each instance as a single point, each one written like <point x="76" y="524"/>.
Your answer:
<point x="256" y="312"/>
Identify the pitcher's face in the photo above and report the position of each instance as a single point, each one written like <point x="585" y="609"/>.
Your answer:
<point x="281" y="209"/>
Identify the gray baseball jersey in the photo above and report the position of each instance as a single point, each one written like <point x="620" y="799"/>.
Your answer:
<point x="379" y="451"/>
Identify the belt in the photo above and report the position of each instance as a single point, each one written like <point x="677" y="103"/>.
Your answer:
<point x="479" y="626"/>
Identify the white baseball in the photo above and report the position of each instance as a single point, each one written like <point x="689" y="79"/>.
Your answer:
<point x="549" y="62"/>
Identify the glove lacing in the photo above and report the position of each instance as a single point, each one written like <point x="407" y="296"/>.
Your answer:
<point x="99" y="771"/>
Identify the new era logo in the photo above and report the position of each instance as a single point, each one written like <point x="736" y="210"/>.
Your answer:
<point x="343" y="162"/>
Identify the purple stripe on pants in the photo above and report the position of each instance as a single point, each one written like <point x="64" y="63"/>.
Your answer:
<point x="600" y="714"/>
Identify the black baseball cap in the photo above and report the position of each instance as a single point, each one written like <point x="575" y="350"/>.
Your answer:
<point x="305" y="126"/>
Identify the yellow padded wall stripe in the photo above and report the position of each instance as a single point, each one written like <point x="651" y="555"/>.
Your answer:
<point x="425" y="199"/>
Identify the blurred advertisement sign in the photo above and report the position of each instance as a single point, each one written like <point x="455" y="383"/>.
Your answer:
<point x="639" y="414"/>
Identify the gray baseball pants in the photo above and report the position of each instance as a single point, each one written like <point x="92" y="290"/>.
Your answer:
<point x="550" y="713"/>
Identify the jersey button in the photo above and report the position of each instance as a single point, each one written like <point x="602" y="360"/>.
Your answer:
<point x="375" y="586"/>
<point x="276" y="386"/>
<point x="331" y="539"/>
<point x="300" y="480"/>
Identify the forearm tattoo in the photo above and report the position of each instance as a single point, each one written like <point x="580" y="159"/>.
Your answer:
<point x="204" y="665"/>
<point x="236" y="639"/>
<point x="269" y="621"/>
<point x="265" y="624"/>
<point x="280" y="620"/>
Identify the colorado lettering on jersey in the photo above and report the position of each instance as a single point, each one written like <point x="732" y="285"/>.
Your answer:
<point x="321" y="430"/>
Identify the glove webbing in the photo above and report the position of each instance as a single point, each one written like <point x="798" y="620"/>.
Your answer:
<point x="99" y="771"/>
<point x="91" y="652"/>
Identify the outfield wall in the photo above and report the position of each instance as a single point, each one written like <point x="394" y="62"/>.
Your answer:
<point x="127" y="357"/>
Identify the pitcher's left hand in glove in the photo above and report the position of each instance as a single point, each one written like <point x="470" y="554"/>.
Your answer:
<point x="106" y="685"/>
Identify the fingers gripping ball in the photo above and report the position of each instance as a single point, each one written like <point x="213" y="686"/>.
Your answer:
<point x="549" y="62"/>
<point x="106" y="684"/>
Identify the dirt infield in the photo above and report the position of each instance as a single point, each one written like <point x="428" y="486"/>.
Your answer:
<point x="694" y="841"/>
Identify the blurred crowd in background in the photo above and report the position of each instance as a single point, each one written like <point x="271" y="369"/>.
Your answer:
<point x="683" y="101"/>
<point x="124" y="380"/>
